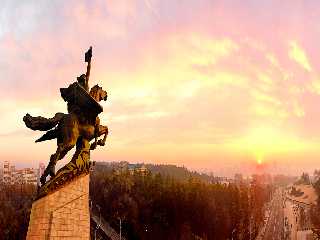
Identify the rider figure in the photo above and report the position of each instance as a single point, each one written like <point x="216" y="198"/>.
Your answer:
<point x="83" y="79"/>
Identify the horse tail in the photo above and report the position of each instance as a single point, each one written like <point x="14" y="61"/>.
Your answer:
<point x="42" y="123"/>
<point x="52" y="134"/>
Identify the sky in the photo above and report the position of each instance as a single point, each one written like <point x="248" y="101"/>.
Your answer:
<point x="221" y="86"/>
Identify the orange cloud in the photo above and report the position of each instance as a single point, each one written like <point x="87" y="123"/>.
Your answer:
<point x="297" y="54"/>
<point x="188" y="83"/>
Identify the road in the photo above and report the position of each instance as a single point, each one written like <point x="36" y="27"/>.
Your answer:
<point x="275" y="225"/>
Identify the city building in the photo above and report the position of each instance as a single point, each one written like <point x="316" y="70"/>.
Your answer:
<point x="238" y="178"/>
<point x="41" y="169"/>
<point x="6" y="177"/>
<point x="140" y="169"/>
<point x="1" y="174"/>
<point x="11" y="175"/>
<point x="132" y="168"/>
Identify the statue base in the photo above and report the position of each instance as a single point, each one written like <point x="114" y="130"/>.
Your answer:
<point x="63" y="213"/>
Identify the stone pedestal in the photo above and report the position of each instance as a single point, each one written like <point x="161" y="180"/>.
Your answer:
<point x="62" y="214"/>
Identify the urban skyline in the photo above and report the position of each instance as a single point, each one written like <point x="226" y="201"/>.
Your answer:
<point x="9" y="174"/>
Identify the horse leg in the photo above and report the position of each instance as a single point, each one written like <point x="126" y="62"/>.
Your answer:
<point x="70" y="134"/>
<point x="62" y="153"/>
<point x="51" y="166"/>
<point x="96" y="134"/>
<point x="62" y="150"/>
<point x="103" y="130"/>
<point x="99" y="130"/>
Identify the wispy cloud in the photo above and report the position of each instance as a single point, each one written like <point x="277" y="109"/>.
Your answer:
<point x="203" y="74"/>
<point x="297" y="54"/>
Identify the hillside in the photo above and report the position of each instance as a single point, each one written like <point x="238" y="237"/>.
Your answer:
<point x="166" y="170"/>
<point x="170" y="202"/>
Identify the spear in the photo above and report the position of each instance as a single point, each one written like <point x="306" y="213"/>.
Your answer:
<point x="87" y="58"/>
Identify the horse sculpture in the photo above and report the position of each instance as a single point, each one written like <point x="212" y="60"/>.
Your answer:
<point x="76" y="128"/>
<point x="67" y="130"/>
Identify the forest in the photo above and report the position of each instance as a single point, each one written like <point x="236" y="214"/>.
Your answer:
<point x="157" y="204"/>
<point x="15" y="206"/>
<point x="315" y="210"/>
<point x="160" y="206"/>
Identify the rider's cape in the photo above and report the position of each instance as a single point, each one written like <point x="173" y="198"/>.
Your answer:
<point x="79" y="102"/>
<point x="76" y="95"/>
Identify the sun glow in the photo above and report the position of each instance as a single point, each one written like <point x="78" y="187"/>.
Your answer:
<point x="259" y="161"/>
<point x="262" y="142"/>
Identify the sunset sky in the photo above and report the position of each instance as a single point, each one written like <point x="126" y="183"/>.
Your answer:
<point x="220" y="86"/>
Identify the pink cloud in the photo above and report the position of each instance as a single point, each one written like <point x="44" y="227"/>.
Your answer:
<point x="167" y="79"/>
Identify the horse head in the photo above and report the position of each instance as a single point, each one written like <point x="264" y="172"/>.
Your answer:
<point x="98" y="93"/>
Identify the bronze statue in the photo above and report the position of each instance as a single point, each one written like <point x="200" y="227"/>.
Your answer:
<point x="76" y="128"/>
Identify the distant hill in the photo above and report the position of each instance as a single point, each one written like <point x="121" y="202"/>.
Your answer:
<point x="169" y="170"/>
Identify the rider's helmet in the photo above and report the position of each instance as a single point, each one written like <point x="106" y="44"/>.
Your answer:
<point x="82" y="79"/>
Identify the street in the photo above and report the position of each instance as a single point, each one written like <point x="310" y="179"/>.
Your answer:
<point x="275" y="225"/>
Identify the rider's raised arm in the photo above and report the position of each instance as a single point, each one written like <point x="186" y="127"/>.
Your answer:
<point x="88" y="56"/>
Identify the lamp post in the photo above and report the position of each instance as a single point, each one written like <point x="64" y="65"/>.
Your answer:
<point x="120" y="227"/>
<point x="98" y="226"/>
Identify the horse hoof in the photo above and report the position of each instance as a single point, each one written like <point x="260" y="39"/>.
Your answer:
<point x="43" y="180"/>
<point x="52" y="174"/>
<point x="52" y="171"/>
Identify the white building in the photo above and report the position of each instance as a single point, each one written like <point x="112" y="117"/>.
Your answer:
<point x="6" y="177"/>
<point x="41" y="169"/>
<point x="11" y="175"/>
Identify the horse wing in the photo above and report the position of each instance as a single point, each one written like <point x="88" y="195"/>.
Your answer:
<point x="52" y="134"/>
<point x="42" y="123"/>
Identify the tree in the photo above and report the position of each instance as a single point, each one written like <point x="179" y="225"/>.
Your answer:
<point x="157" y="206"/>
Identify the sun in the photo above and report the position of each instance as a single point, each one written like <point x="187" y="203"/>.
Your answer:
<point x="259" y="161"/>
<point x="263" y="141"/>
<point x="259" y="154"/>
